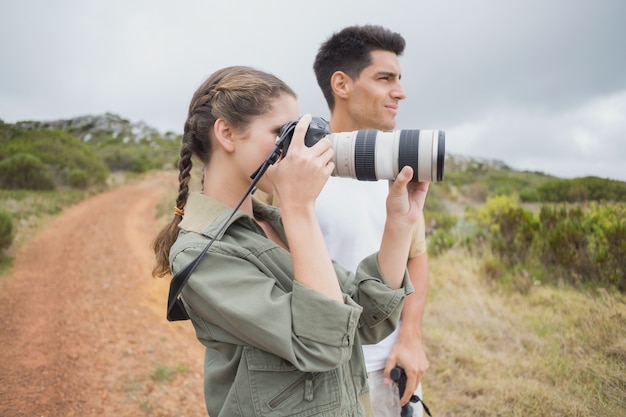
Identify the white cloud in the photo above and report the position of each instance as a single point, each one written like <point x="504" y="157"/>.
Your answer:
<point x="586" y="140"/>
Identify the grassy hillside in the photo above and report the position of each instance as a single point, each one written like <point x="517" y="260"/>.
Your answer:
<point x="526" y="315"/>
<point x="493" y="351"/>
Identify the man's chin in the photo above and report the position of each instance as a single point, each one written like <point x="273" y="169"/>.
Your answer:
<point x="389" y="126"/>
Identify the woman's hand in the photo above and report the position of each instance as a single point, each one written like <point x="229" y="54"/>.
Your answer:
<point x="300" y="176"/>
<point x="298" y="179"/>
<point x="406" y="199"/>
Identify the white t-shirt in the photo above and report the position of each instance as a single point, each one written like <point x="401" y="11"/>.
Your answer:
<point x="352" y="216"/>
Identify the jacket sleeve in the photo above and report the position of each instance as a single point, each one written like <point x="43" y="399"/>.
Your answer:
<point x="233" y="299"/>
<point x="381" y="304"/>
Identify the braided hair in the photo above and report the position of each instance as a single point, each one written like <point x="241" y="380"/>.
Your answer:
<point x="235" y="94"/>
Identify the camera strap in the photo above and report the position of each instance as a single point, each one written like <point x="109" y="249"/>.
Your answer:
<point x="398" y="375"/>
<point x="175" y="308"/>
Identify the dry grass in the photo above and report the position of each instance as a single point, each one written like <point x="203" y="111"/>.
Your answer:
<point x="548" y="352"/>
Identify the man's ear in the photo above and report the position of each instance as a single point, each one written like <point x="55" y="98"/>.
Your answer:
<point x="341" y="84"/>
<point x="224" y="133"/>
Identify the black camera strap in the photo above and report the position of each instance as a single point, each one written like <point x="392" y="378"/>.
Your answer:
<point x="175" y="308"/>
<point x="399" y="376"/>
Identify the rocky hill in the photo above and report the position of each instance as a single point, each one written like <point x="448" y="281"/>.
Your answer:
<point x="99" y="127"/>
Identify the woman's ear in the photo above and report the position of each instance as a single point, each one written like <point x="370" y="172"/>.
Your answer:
<point x="224" y="133"/>
<point x="341" y="84"/>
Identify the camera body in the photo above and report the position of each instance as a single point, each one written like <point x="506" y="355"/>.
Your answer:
<point x="317" y="130"/>
<point x="371" y="155"/>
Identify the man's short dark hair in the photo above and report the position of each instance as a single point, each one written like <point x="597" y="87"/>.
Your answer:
<point x="349" y="51"/>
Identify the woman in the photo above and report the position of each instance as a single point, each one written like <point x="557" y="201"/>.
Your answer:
<point x="282" y="324"/>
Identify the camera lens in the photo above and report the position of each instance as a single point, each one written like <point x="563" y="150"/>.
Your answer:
<point x="370" y="155"/>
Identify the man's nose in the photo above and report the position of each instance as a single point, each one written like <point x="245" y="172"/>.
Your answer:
<point x="398" y="92"/>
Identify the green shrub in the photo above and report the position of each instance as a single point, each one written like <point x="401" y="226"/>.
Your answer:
<point x="564" y="244"/>
<point x="518" y="228"/>
<point x="511" y="229"/>
<point x="25" y="171"/>
<point x="440" y="241"/>
<point x="78" y="178"/>
<point x="529" y="195"/>
<point x="484" y="216"/>
<point x="442" y="221"/>
<point x="582" y="246"/>
<point x="606" y="224"/>
<point x="129" y="159"/>
<point x="59" y="151"/>
<point x="6" y="230"/>
<point x="140" y="164"/>
<point x="583" y="189"/>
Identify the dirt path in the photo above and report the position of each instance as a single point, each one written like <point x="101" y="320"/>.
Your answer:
<point x="82" y="322"/>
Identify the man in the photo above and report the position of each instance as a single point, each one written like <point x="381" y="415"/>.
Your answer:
<point x="358" y="71"/>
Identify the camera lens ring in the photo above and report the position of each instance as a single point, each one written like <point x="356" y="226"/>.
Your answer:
<point x="441" y="154"/>
<point x="365" y="155"/>
<point x="408" y="151"/>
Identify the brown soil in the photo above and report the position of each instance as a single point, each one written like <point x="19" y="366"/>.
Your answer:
<point x="83" y="328"/>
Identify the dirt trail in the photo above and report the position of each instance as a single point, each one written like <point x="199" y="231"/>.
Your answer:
<point x="82" y="322"/>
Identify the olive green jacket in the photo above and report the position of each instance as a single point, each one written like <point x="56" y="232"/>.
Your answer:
<point x="273" y="346"/>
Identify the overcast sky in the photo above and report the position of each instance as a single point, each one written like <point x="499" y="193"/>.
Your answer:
<point x="538" y="84"/>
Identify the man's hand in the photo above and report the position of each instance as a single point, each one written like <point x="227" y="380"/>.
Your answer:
<point x="409" y="354"/>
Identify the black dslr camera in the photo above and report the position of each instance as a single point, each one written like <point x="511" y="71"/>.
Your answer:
<point x="318" y="129"/>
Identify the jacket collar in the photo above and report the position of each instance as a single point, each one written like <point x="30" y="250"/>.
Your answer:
<point x="206" y="215"/>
